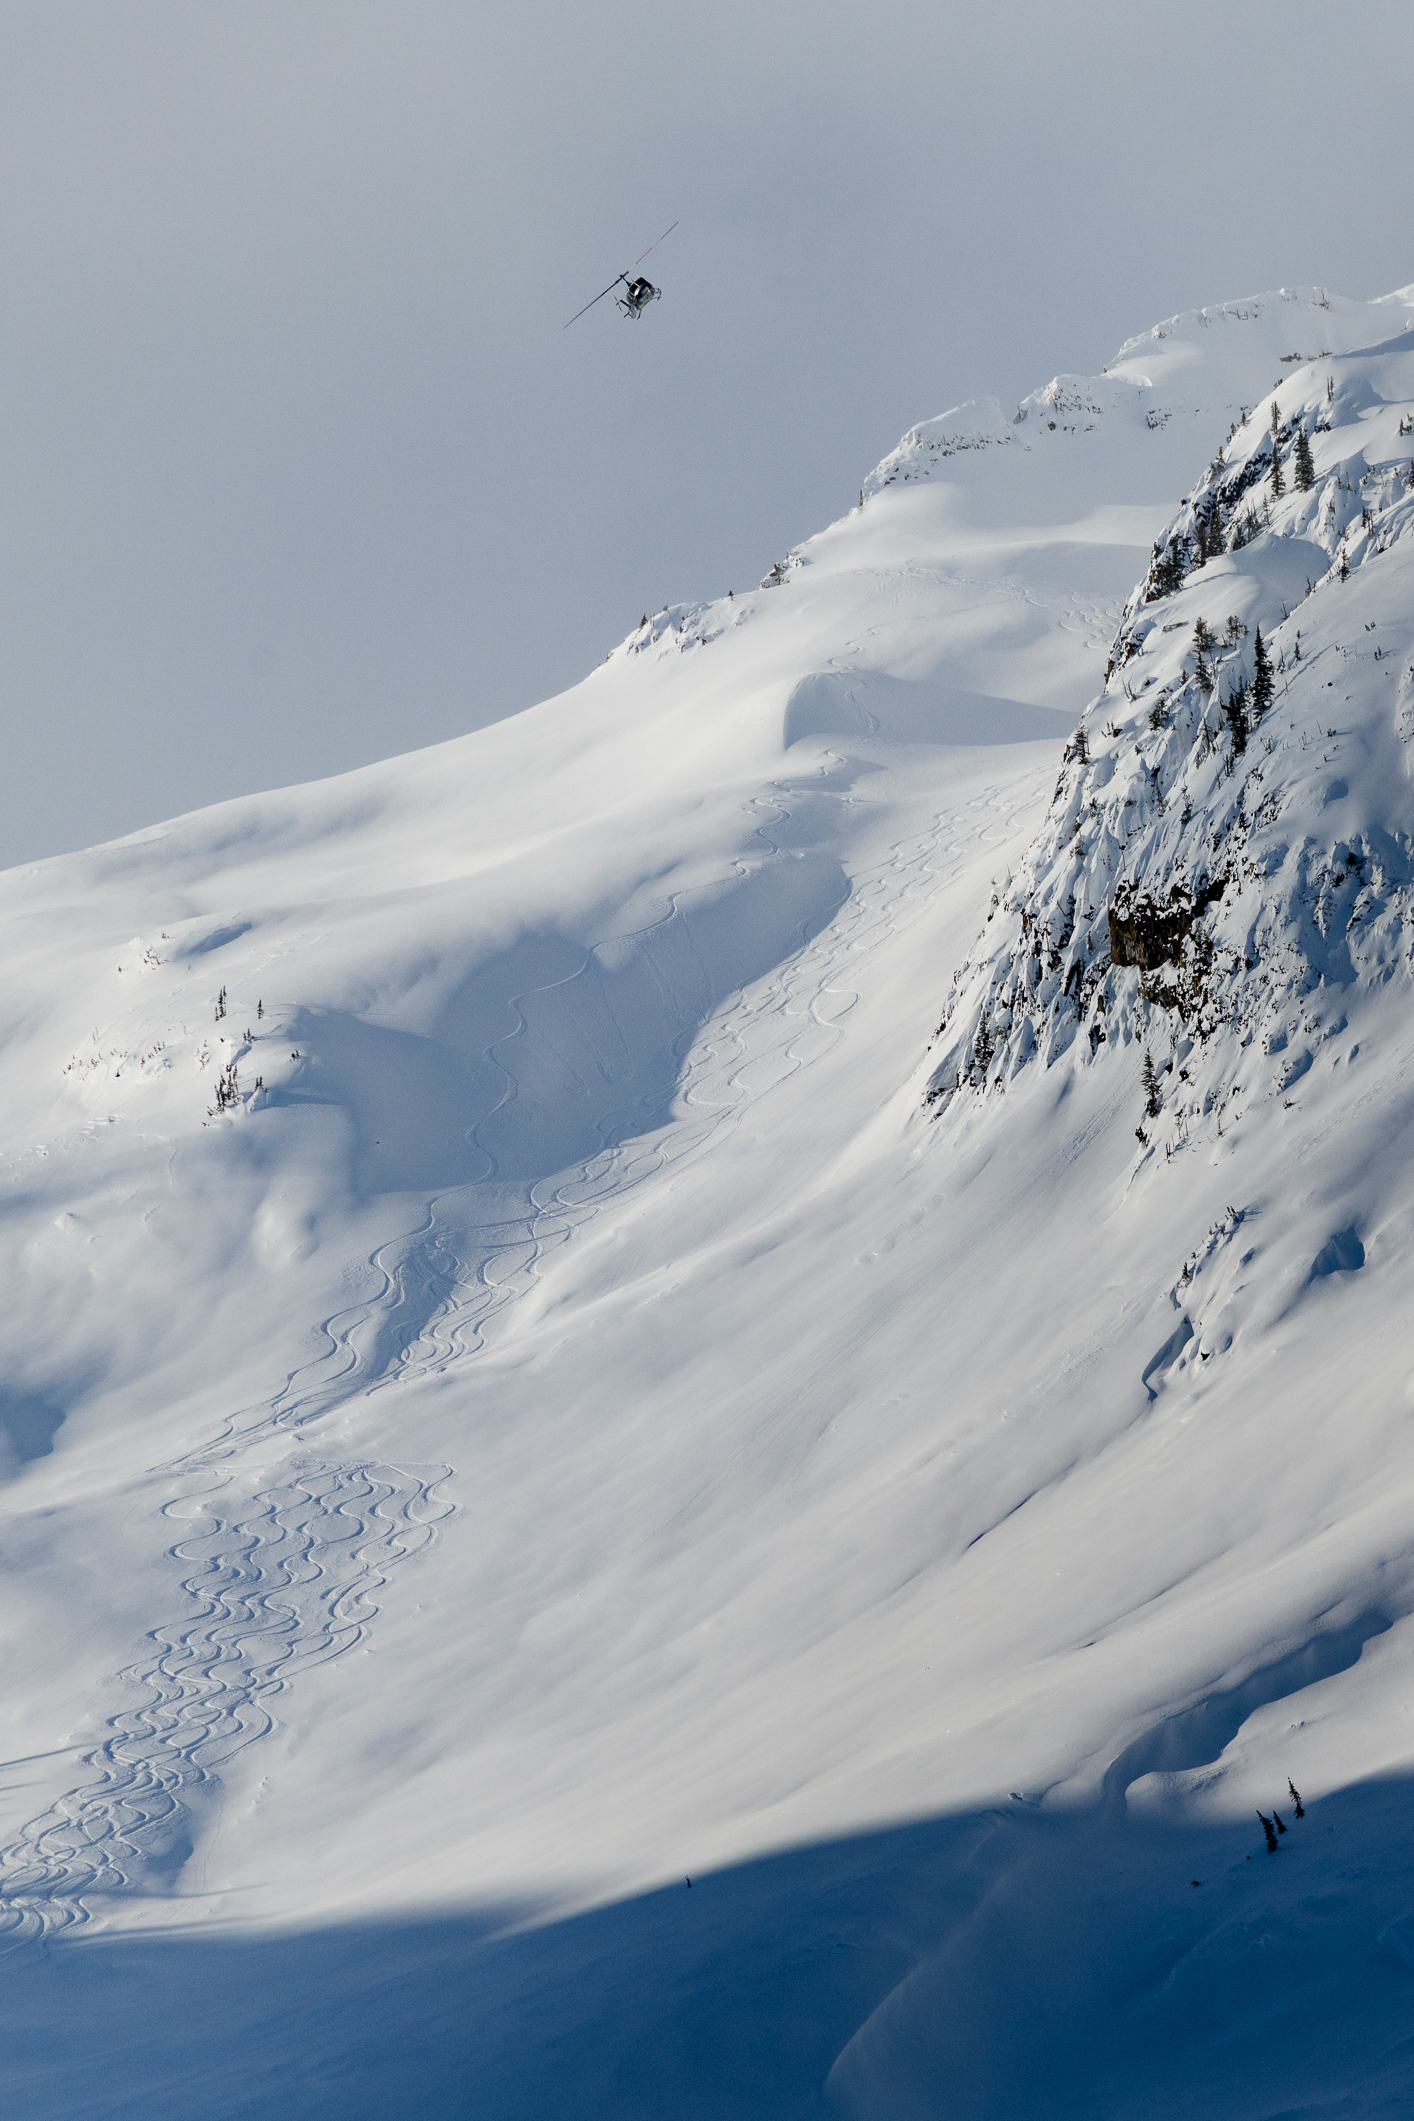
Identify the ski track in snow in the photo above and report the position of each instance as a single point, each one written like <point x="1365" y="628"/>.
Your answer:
<point x="283" y="1583"/>
<point x="762" y="1035"/>
<point x="288" y="1578"/>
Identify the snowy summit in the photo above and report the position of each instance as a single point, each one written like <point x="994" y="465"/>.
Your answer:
<point x="705" y="1406"/>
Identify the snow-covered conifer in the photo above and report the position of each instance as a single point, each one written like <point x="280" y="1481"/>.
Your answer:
<point x="1151" y="1087"/>
<point x="1168" y="570"/>
<point x="1263" y="689"/>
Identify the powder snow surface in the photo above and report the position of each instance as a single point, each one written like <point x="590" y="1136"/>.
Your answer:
<point x="608" y="1392"/>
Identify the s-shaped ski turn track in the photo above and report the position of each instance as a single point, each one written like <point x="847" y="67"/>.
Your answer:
<point x="289" y="1577"/>
<point x="447" y="1284"/>
<point x="277" y="1585"/>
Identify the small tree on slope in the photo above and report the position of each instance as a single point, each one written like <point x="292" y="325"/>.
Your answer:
<point x="1151" y="1087"/>
<point x="1263" y="690"/>
<point x="1302" y="464"/>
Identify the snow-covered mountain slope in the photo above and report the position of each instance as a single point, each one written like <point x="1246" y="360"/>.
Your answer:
<point x="527" y="1377"/>
<point x="1206" y="856"/>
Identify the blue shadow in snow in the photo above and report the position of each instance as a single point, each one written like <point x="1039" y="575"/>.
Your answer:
<point x="1341" y="1254"/>
<point x="28" y="1426"/>
<point x="859" y="703"/>
<point x="549" y="1053"/>
<point x="999" y="1966"/>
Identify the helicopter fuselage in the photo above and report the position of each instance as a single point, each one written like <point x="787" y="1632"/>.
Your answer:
<point x="636" y="297"/>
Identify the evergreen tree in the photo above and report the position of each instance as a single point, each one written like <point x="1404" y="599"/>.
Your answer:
<point x="1151" y="1087"/>
<point x="1409" y="478"/>
<point x="1301" y="461"/>
<point x="1204" y="642"/>
<point x="1263" y="690"/>
<point x="1278" y="483"/>
<point x="1235" y="708"/>
<point x="1209" y="527"/>
<point x="1168" y="569"/>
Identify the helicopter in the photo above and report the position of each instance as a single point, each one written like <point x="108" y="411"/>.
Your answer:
<point x="637" y="291"/>
<point x="636" y="297"/>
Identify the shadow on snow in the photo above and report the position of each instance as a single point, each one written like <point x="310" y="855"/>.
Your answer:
<point x="1006" y="1963"/>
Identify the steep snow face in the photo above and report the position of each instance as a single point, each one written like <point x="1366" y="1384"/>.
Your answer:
<point x="1230" y="834"/>
<point x="513" y="1396"/>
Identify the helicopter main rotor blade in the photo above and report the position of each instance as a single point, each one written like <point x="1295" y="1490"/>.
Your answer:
<point x="653" y="246"/>
<point x="598" y="298"/>
<point x="622" y="276"/>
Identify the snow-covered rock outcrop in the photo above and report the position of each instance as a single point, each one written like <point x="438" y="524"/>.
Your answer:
<point x="1230" y="846"/>
<point x="979" y="424"/>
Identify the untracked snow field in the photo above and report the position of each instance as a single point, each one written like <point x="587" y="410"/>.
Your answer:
<point x="549" y="1356"/>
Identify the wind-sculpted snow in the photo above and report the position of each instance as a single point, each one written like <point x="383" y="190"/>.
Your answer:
<point x="483" y="1245"/>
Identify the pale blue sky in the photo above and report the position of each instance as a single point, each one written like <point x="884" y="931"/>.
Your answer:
<point x="297" y="466"/>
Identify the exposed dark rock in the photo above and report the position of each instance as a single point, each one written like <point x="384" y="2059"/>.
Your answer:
<point x="1148" y="935"/>
<point x="1148" y="931"/>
